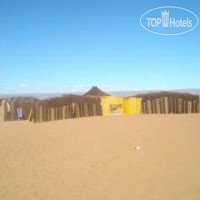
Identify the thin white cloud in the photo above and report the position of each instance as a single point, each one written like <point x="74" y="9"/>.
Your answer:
<point x="155" y="76"/>
<point x="23" y="85"/>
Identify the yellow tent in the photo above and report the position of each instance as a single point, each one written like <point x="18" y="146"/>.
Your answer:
<point x="112" y="105"/>
<point x="132" y="105"/>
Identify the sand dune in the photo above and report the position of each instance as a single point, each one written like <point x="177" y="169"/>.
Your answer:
<point x="95" y="159"/>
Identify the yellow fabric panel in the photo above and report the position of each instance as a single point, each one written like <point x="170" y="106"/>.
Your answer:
<point x="132" y="105"/>
<point x="112" y="105"/>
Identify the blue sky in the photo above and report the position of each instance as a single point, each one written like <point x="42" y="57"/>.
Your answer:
<point x="69" y="46"/>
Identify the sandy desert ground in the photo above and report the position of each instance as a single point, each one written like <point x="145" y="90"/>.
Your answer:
<point x="95" y="159"/>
